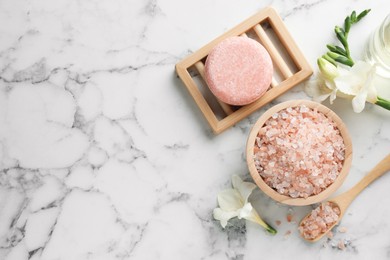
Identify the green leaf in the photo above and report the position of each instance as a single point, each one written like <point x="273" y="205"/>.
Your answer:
<point x="353" y="17"/>
<point x="336" y="49"/>
<point x="341" y="36"/>
<point x="347" y="24"/>
<point x="344" y="60"/>
<point x="362" y="14"/>
<point x="339" y="58"/>
<point x="333" y="55"/>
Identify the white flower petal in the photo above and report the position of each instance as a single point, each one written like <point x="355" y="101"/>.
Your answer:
<point x="349" y="84"/>
<point x="246" y="211"/>
<point x="321" y="98"/>
<point x="244" y="188"/>
<point x="249" y="213"/>
<point x="317" y="89"/>
<point x="372" y="95"/>
<point x="224" y="216"/>
<point x="358" y="83"/>
<point x="230" y="200"/>
<point x="359" y="101"/>
<point x="361" y="68"/>
<point x="236" y="180"/>
<point x="370" y="87"/>
<point x="329" y="84"/>
<point x="333" y="96"/>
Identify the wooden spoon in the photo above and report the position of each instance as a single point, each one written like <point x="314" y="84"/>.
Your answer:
<point x="345" y="199"/>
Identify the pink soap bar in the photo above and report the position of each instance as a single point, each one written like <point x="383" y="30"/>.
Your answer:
<point x="238" y="70"/>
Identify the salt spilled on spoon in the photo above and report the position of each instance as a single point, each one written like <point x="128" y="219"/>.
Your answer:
<point x="319" y="221"/>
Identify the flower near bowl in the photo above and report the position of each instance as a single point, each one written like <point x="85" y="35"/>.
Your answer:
<point x="339" y="75"/>
<point x="299" y="152"/>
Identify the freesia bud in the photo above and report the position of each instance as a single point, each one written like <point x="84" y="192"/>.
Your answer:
<point x="328" y="70"/>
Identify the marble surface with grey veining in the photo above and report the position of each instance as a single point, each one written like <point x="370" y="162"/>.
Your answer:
<point x="104" y="154"/>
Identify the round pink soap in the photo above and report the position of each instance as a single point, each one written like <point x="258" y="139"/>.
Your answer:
<point x="238" y="70"/>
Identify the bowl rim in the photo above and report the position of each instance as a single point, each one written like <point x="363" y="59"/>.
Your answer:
<point x="287" y="199"/>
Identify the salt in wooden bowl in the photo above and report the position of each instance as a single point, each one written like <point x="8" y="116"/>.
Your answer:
<point x="299" y="201"/>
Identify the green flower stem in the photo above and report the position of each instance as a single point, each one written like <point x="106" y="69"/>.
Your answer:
<point x="256" y="218"/>
<point x="342" y="36"/>
<point x="383" y="103"/>
<point x="337" y="53"/>
<point x="271" y="230"/>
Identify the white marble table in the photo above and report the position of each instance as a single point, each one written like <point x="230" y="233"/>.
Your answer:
<point x="104" y="155"/>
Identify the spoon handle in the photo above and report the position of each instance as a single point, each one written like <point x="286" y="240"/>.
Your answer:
<point x="343" y="200"/>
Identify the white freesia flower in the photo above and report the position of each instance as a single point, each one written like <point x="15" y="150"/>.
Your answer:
<point x="340" y="75"/>
<point x="234" y="203"/>
<point x="354" y="83"/>
<point x="357" y="82"/>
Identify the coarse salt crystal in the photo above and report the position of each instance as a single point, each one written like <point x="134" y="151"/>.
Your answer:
<point x="303" y="109"/>
<point x="341" y="245"/>
<point x="287" y="234"/>
<point x="342" y="229"/>
<point x="330" y="235"/>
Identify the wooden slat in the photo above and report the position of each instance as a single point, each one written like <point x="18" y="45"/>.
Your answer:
<point x="286" y="39"/>
<point x="274" y="53"/>
<point x="238" y="30"/>
<point x="274" y="83"/>
<point x="225" y="107"/>
<point x="198" y="97"/>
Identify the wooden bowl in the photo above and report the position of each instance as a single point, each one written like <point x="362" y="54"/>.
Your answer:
<point x="272" y="192"/>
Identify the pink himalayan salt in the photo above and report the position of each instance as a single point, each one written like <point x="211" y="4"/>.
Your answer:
<point x="342" y="229"/>
<point x="287" y="234"/>
<point x="341" y="245"/>
<point x="319" y="220"/>
<point x="299" y="152"/>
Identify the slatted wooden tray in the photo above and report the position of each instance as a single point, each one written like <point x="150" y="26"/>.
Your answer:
<point x="290" y="69"/>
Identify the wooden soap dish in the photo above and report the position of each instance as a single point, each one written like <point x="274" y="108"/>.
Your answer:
<point x="290" y="69"/>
